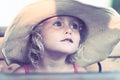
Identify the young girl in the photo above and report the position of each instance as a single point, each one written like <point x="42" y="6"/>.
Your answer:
<point x="60" y="36"/>
<point x="52" y="43"/>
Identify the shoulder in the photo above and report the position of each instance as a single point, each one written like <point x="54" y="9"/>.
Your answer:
<point x="81" y="69"/>
<point x="8" y="68"/>
<point x="27" y="68"/>
<point x="19" y="69"/>
<point x="78" y="68"/>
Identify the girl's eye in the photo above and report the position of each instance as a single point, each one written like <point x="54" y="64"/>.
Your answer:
<point x="74" y="26"/>
<point x="58" y="24"/>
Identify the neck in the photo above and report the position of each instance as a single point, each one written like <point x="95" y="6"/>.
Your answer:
<point x="56" y="58"/>
<point x="54" y="61"/>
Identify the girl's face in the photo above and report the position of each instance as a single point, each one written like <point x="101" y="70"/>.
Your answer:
<point x="61" y="34"/>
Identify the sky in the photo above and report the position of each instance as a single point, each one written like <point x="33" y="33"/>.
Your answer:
<point x="10" y="8"/>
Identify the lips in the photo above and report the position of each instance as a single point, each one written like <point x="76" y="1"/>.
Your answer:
<point x="67" y="39"/>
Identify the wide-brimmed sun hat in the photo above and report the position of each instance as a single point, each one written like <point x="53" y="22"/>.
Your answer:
<point x="103" y="29"/>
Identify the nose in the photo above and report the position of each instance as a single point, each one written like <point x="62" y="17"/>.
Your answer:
<point x="68" y="30"/>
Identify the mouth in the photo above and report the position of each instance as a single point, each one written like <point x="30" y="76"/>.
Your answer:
<point x="67" y="39"/>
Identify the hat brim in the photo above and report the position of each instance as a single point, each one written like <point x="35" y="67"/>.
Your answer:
<point x="103" y="27"/>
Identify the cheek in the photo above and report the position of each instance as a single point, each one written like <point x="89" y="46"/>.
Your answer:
<point x="49" y="36"/>
<point x="77" y="39"/>
<point x="45" y="36"/>
<point x="46" y="40"/>
<point x="45" y="33"/>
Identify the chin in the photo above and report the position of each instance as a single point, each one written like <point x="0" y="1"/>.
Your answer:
<point x="68" y="51"/>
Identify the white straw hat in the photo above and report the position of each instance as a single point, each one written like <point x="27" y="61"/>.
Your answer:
<point x="103" y="29"/>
